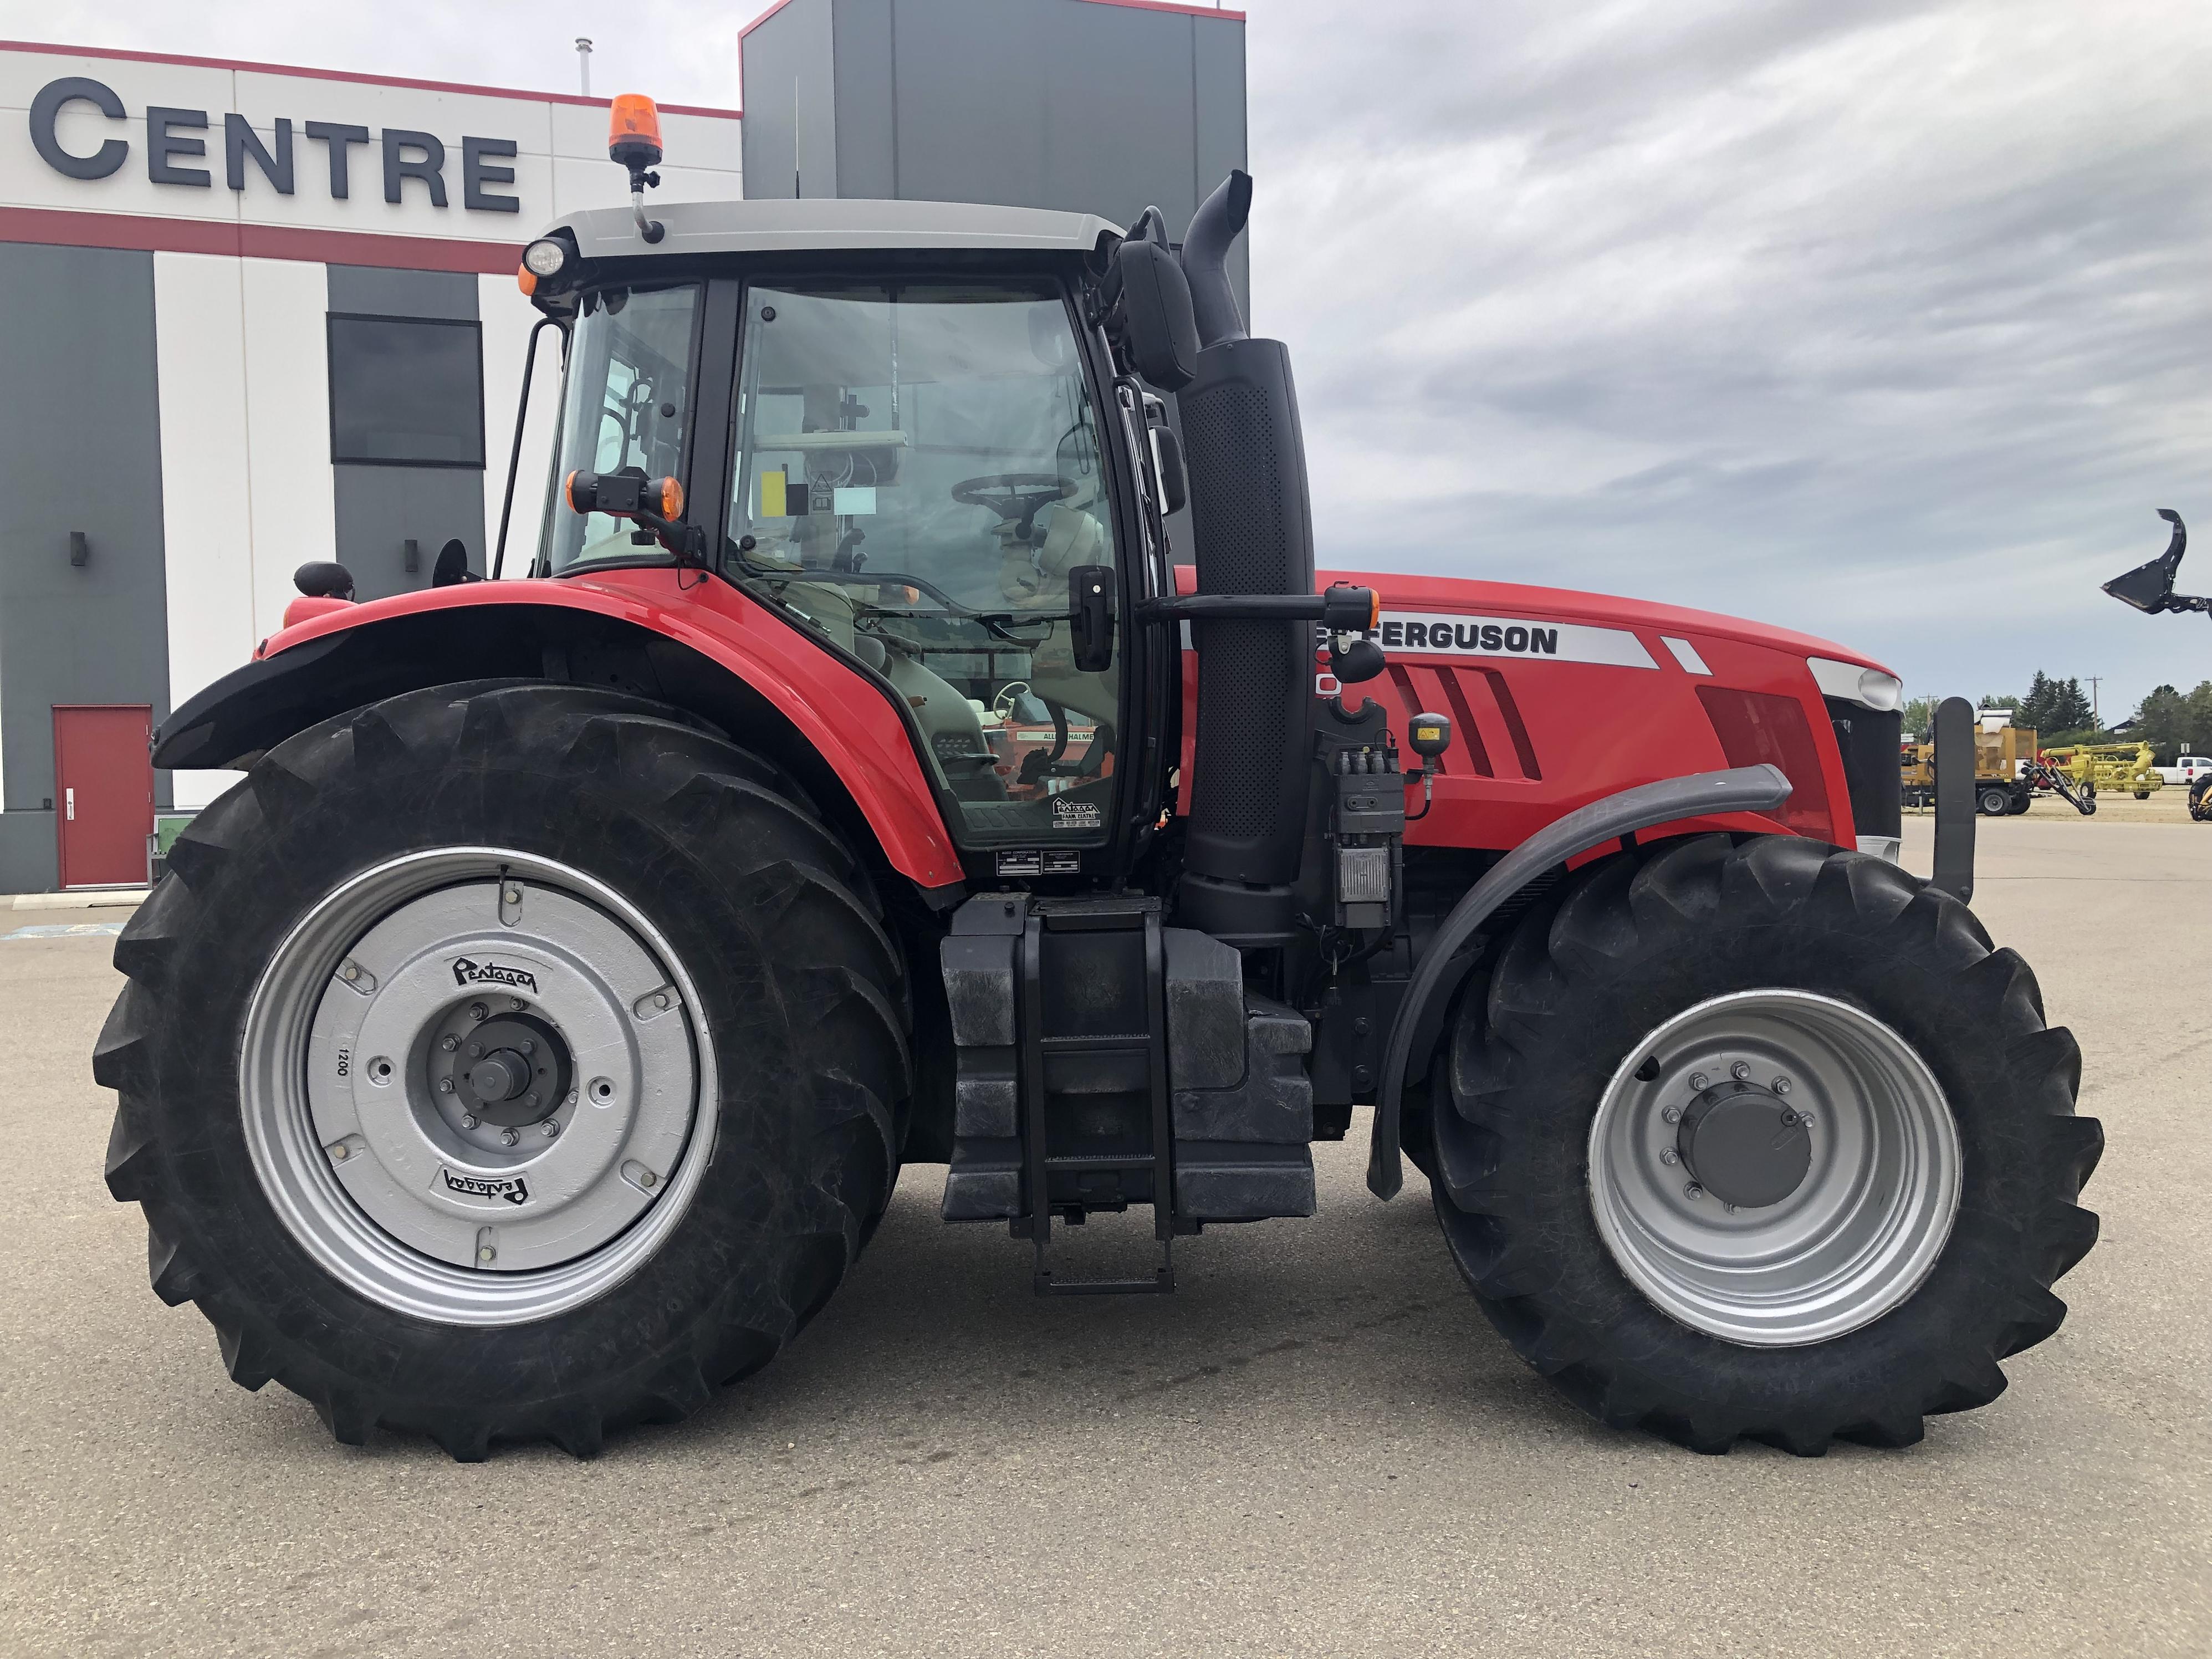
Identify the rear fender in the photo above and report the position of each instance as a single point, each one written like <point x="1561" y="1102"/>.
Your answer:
<point x="710" y="650"/>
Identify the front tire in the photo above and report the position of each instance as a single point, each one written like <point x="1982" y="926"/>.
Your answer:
<point x="1879" y="1277"/>
<point x="506" y="1061"/>
<point x="1993" y="803"/>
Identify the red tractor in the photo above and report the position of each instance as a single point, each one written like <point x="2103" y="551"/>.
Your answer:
<point x="530" y="1042"/>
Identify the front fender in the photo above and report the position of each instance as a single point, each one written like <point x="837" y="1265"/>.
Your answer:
<point x="1670" y="800"/>
<point x="692" y="641"/>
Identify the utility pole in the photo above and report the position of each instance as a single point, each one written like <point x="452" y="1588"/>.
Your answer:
<point x="584" y="61"/>
<point x="2096" y="718"/>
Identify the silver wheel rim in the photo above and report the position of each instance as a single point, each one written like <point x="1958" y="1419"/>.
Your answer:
<point x="356" y="1086"/>
<point x="1860" y="1231"/>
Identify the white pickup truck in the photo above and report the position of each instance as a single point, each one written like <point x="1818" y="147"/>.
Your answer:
<point x="2186" y="768"/>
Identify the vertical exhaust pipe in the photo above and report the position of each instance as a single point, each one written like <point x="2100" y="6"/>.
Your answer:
<point x="1252" y="520"/>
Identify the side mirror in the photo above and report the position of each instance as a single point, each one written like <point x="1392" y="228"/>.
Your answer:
<point x="2149" y="587"/>
<point x="1090" y="603"/>
<point x="1157" y="326"/>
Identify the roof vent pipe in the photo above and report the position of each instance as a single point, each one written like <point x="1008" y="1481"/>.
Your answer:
<point x="1213" y="230"/>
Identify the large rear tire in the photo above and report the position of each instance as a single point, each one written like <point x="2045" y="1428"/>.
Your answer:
<point x="1883" y="1221"/>
<point x="507" y="1061"/>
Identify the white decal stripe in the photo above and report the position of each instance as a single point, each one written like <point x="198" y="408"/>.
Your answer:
<point x="1685" y="654"/>
<point x="1443" y="633"/>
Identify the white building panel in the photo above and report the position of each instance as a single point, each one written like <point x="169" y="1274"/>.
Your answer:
<point x="508" y="319"/>
<point x="293" y="517"/>
<point x="200" y="324"/>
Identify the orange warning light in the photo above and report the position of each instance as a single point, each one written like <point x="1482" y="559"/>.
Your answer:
<point x="634" y="131"/>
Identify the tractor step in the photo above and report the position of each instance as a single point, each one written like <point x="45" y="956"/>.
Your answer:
<point x="1137" y="923"/>
<point x="1105" y="1060"/>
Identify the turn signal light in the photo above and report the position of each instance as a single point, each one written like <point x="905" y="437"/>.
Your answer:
<point x="634" y="132"/>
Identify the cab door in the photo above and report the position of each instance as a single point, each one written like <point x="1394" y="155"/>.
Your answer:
<point x="919" y="478"/>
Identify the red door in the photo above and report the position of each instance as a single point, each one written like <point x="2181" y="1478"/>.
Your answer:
<point x="103" y="792"/>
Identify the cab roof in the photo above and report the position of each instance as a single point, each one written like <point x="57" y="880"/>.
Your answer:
<point x="788" y="225"/>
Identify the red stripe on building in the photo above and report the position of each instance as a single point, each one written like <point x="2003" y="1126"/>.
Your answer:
<point x="250" y="67"/>
<point x="145" y="233"/>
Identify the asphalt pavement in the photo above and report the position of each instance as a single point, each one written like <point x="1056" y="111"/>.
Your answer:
<point x="1316" y="1446"/>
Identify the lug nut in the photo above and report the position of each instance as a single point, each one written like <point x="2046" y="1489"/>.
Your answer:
<point x="468" y="1120"/>
<point x="1805" y="1118"/>
<point x="1672" y="1113"/>
<point x="551" y="1128"/>
<point x="513" y="896"/>
<point x="507" y="1137"/>
<point x="517" y="1003"/>
<point x="1669" y="1156"/>
<point x="531" y="1102"/>
<point x="528" y="1048"/>
<point x="350" y="972"/>
<point x="445" y="1086"/>
<point x="477" y="1011"/>
<point x="1782" y="1085"/>
<point x="449" y="1043"/>
<point x="1730" y="1208"/>
<point x="1693" y="1191"/>
<point x="660" y="999"/>
<point x="476" y="1051"/>
<point x="1739" y="1071"/>
<point x="1699" y="1080"/>
<point x="487" y="1254"/>
<point x="341" y="1151"/>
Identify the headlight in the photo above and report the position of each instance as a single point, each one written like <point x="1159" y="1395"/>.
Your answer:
<point x="1871" y="688"/>
<point x="545" y="257"/>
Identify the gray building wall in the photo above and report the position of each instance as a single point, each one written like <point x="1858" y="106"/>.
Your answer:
<point x="380" y="508"/>
<point x="80" y="449"/>
<point x="1032" y="103"/>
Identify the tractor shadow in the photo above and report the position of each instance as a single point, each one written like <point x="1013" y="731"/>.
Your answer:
<point x="937" y="1333"/>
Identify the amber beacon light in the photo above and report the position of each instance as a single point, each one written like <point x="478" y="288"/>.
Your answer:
<point x="633" y="141"/>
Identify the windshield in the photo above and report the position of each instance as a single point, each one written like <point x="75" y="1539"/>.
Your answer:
<point x="628" y="406"/>
<point x="918" y="475"/>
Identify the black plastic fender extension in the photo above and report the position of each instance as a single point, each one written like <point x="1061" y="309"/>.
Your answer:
<point x="1701" y="794"/>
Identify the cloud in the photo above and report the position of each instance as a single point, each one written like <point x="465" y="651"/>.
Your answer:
<point x="1885" y="320"/>
<point x="1872" y="320"/>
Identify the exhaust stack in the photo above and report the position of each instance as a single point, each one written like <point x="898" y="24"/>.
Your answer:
<point x="1253" y="523"/>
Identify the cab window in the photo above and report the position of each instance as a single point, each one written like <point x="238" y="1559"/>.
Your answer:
<point x="917" y="474"/>
<point x="628" y="408"/>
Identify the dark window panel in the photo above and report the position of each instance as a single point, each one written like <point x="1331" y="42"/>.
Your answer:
<point x="406" y="391"/>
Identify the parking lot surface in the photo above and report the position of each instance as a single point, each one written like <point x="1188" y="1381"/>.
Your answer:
<point x="1316" y="1446"/>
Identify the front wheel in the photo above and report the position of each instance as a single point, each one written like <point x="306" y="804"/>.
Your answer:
<point x="506" y="1061"/>
<point x="1993" y="803"/>
<point x="1765" y="1139"/>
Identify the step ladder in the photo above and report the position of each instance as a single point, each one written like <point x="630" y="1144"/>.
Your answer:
<point x="1036" y="1046"/>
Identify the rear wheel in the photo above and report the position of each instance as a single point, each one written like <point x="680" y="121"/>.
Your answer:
<point x="1762" y="1139"/>
<point x="506" y="1063"/>
<point x="1995" y="803"/>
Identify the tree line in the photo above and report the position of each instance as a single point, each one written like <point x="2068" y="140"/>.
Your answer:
<point x="2172" y="721"/>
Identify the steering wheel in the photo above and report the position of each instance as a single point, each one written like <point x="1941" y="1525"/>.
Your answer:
<point x="1016" y="497"/>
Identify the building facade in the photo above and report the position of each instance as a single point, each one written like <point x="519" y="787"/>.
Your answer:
<point x="256" y="316"/>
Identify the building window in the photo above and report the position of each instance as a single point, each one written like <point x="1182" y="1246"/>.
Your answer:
<point x="406" y="391"/>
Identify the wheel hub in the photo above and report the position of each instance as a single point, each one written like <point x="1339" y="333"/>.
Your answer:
<point x="1745" y="1145"/>
<point x="507" y="1070"/>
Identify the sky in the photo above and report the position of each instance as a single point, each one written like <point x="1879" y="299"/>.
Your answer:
<point x="1883" y="319"/>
